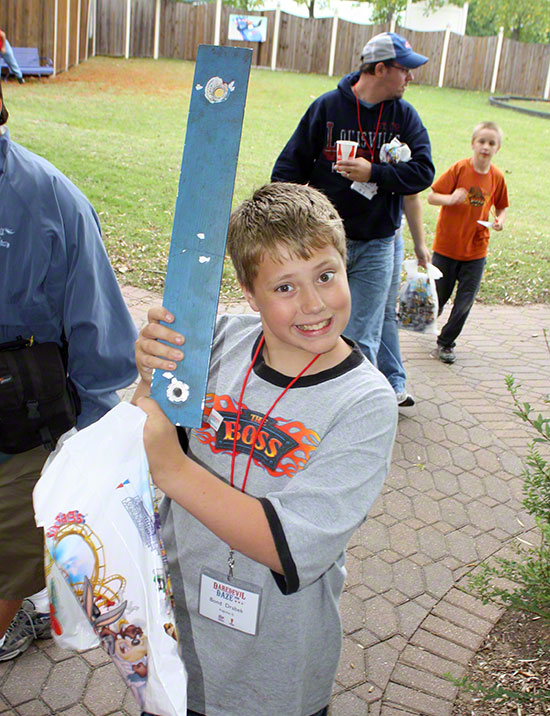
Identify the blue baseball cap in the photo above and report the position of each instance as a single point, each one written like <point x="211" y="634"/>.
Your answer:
<point x="389" y="46"/>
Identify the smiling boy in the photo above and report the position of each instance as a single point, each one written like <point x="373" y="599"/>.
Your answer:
<point x="466" y="193"/>
<point x="294" y="447"/>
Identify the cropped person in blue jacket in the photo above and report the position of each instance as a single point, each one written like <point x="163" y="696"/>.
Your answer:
<point x="367" y="107"/>
<point x="56" y="279"/>
<point x="6" y="52"/>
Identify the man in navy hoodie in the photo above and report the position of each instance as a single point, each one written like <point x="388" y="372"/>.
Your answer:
<point x="367" y="108"/>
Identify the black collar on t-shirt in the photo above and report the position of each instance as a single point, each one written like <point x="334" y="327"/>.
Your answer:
<point x="262" y="370"/>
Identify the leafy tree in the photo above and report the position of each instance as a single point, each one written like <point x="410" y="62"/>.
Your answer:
<point x="310" y="4"/>
<point x="523" y="20"/>
<point x="244" y="5"/>
<point x="386" y="10"/>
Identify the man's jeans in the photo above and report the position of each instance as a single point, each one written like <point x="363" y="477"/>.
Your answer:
<point x="370" y="271"/>
<point x="9" y="59"/>
<point x="389" y="353"/>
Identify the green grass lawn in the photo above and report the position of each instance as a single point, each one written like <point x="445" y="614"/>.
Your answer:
<point x="117" y="127"/>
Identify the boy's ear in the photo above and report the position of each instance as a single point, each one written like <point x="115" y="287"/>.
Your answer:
<point x="250" y="298"/>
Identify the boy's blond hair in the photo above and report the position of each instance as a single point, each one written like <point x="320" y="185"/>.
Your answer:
<point x="488" y="125"/>
<point x="282" y="217"/>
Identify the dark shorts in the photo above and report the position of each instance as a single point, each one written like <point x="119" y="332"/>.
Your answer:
<point x="21" y="542"/>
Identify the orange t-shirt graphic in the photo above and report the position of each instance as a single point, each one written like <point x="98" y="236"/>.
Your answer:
<point x="458" y="235"/>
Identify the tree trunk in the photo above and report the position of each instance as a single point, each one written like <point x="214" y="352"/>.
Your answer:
<point x="311" y="7"/>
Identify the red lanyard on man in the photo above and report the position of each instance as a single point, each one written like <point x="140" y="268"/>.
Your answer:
<point x="371" y="149"/>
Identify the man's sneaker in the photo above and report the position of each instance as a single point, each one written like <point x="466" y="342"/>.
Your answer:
<point x="19" y="637"/>
<point x="404" y="400"/>
<point x="447" y="355"/>
<point x="27" y="625"/>
<point x="40" y="620"/>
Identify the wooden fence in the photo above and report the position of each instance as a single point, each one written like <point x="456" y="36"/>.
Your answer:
<point x="64" y="30"/>
<point x="61" y="29"/>
<point x="324" y="45"/>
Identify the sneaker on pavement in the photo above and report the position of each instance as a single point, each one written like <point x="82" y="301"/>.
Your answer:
<point x="40" y="620"/>
<point x="447" y="355"/>
<point x="404" y="400"/>
<point x="27" y="625"/>
<point x="19" y="637"/>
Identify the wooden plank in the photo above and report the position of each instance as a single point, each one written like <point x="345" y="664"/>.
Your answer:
<point x="73" y="30"/>
<point x="201" y="218"/>
<point x="142" y="29"/>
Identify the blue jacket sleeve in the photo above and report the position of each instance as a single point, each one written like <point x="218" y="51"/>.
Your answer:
<point x="97" y="324"/>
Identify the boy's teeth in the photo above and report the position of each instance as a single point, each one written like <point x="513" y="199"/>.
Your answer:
<point x="314" y="326"/>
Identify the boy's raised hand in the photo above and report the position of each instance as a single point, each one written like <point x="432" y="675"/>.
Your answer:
<point x="150" y="352"/>
<point x="458" y="196"/>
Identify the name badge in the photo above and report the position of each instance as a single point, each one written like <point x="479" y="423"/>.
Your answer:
<point x="367" y="188"/>
<point x="215" y="419"/>
<point x="234" y="604"/>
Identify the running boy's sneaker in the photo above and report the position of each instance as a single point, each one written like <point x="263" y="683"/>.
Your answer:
<point x="27" y="625"/>
<point x="404" y="400"/>
<point x="447" y="355"/>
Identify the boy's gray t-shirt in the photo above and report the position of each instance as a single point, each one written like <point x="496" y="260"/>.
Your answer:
<point x="318" y="465"/>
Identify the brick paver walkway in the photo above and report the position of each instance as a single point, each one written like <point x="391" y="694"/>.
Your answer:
<point x="453" y="498"/>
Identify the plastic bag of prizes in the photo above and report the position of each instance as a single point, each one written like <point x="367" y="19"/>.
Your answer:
<point x="418" y="307"/>
<point x="395" y="152"/>
<point x="104" y="559"/>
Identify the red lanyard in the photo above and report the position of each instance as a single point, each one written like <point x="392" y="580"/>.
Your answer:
<point x="239" y="408"/>
<point x="371" y="149"/>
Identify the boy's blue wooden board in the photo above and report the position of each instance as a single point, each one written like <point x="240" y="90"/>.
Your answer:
<point x="201" y="218"/>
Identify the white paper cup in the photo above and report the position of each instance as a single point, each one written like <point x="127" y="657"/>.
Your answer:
<point x="345" y="149"/>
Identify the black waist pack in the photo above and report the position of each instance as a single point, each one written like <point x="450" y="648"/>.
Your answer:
<point x="38" y="401"/>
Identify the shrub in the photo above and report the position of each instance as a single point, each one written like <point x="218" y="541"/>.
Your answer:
<point x="529" y="569"/>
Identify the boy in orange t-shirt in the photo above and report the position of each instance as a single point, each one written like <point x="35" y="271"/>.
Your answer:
<point x="466" y="192"/>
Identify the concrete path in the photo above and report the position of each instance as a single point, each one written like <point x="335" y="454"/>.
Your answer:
<point x="452" y="499"/>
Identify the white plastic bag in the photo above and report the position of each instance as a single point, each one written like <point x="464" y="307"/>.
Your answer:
<point x="105" y="561"/>
<point x="418" y="306"/>
<point x="395" y="152"/>
<point x="70" y="626"/>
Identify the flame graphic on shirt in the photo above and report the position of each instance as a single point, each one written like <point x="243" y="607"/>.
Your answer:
<point x="476" y="196"/>
<point x="282" y="446"/>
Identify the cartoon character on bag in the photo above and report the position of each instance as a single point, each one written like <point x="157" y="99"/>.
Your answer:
<point x="127" y="647"/>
